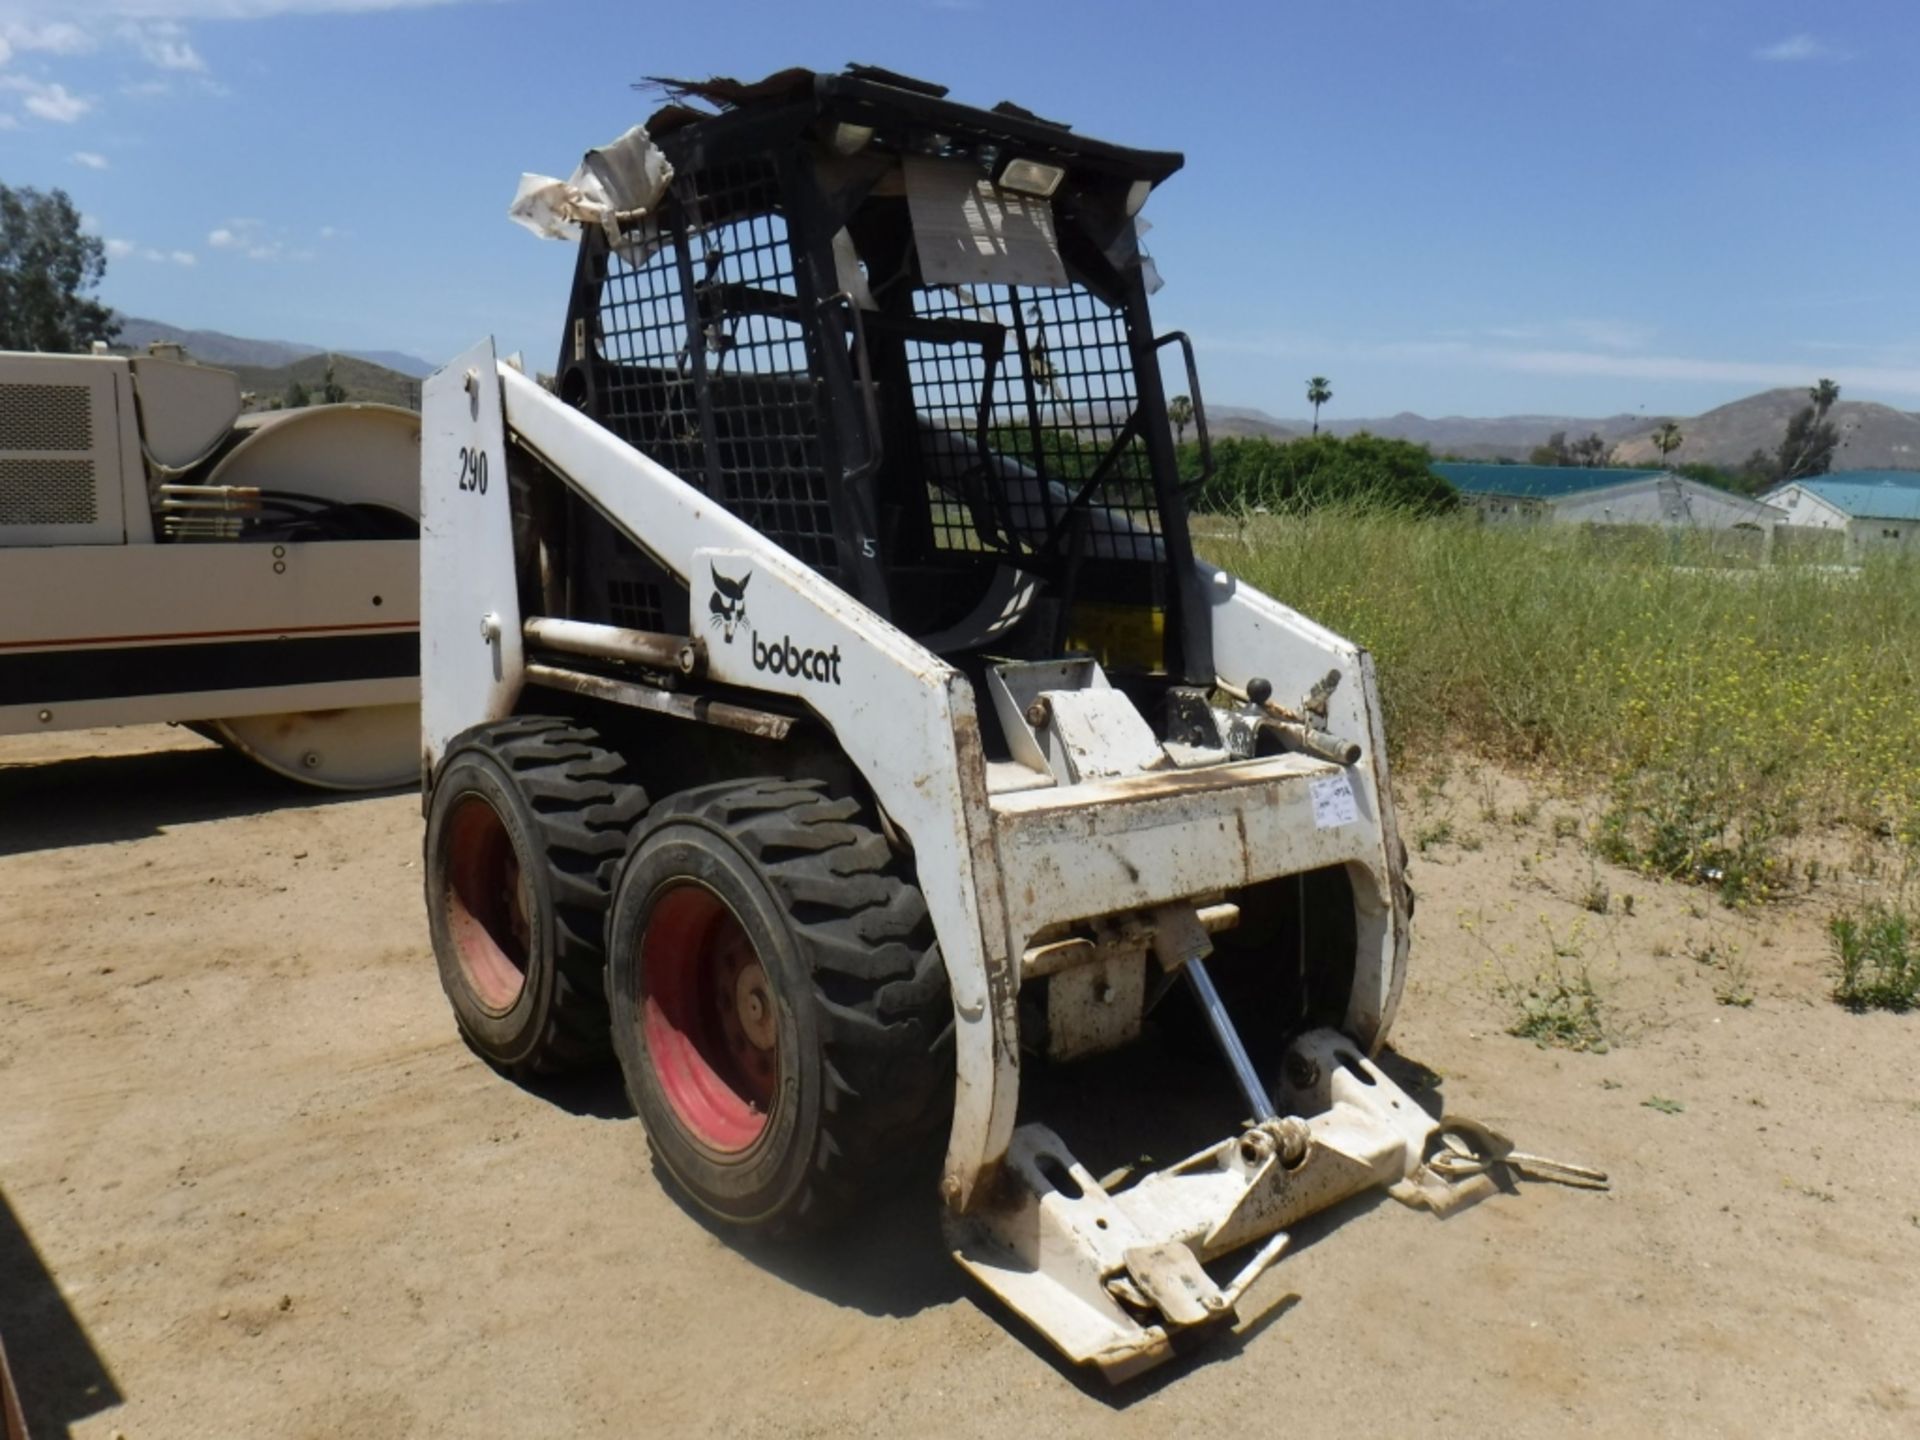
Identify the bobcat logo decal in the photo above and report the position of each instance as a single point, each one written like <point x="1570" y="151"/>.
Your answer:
<point x="728" y="606"/>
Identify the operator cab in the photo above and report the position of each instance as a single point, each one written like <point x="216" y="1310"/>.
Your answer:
<point x="908" y="341"/>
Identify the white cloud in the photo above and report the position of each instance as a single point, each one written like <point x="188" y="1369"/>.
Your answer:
<point x="1800" y="47"/>
<point x="58" y="104"/>
<point x="90" y="159"/>
<point x="1899" y="379"/>
<point x="77" y="13"/>
<point x="155" y="29"/>
<point x="251" y="238"/>
<point x="164" y="45"/>
<point x="49" y="101"/>
<point x="129" y="250"/>
<point x="54" y="37"/>
<point x="1611" y="334"/>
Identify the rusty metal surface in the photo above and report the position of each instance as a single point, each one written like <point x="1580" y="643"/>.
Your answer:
<point x="1097" y="794"/>
<point x="1113" y="1277"/>
<point x="1137" y="842"/>
<point x="1096" y="1006"/>
<point x="764" y="723"/>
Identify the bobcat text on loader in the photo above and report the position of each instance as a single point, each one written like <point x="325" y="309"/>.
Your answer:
<point x="858" y="418"/>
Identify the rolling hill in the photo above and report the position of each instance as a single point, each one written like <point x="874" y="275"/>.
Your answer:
<point x="361" y="379"/>
<point x="1501" y="437"/>
<point x="213" y="347"/>
<point x="1872" y="437"/>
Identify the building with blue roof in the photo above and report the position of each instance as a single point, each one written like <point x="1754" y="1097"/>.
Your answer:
<point x="1583" y="495"/>
<point x="1875" y="509"/>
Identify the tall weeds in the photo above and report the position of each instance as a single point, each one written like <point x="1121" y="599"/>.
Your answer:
<point x="1723" y="704"/>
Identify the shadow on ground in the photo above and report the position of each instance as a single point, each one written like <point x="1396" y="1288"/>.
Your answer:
<point x="99" y="799"/>
<point x="595" y="1094"/>
<point x="61" y="1378"/>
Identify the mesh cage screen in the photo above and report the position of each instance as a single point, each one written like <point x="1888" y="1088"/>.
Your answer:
<point x="753" y="440"/>
<point x="47" y="492"/>
<point x="46" y="417"/>
<point x="1063" y="392"/>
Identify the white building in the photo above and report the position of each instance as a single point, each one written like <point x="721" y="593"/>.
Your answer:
<point x="1584" y="496"/>
<point x="1875" y="509"/>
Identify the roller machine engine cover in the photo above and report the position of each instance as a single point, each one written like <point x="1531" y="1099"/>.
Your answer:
<point x="167" y="558"/>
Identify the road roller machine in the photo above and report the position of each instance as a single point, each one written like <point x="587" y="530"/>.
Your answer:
<point x="827" y="714"/>
<point x="166" y="558"/>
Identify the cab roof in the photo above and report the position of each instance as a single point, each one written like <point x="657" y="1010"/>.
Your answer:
<point x="869" y="95"/>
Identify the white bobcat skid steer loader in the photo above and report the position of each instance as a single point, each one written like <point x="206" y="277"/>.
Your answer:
<point x="832" y="645"/>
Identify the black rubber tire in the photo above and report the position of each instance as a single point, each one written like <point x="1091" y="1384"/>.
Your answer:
<point x="864" y="1014"/>
<point x="568" y="809"/>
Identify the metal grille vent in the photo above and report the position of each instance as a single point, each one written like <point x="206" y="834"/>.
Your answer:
<point x="47" y="492"/>
<point x="637" y="604"/>
<point x="46" y="417"/>
<point x="1063" y="400"/>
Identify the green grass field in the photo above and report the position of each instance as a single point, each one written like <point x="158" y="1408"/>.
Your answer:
<point x="1724" y="705"/>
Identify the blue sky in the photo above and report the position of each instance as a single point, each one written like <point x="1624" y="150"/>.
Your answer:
<point x="1450" y="206"/>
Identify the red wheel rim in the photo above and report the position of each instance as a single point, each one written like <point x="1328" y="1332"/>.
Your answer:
<point x="708" y="1016"/>
<point x="487" y="904"/>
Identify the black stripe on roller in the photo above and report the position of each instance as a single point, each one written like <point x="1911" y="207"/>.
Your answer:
<point x="48" y="677"/>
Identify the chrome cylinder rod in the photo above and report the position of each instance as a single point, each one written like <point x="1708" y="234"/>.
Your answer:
<point x="1229" y="1038"/>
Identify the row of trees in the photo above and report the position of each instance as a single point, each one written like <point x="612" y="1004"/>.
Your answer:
<point x="1283" y="475"/>
<point x="297" y="396"/>
<point x="1806" y="449"/>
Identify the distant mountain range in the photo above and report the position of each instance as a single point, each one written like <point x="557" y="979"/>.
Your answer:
<point x="1500" y="437"/>
<point x="211" y="347"/>
<point x="1872" y="437"/>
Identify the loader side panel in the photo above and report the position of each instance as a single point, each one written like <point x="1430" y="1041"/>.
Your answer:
<point x="471" y="649"/>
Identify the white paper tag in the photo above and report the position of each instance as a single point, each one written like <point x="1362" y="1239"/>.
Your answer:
<point x="1333" y="802"/>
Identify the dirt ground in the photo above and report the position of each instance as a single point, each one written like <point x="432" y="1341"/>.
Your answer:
<point x="251" y="1183"/>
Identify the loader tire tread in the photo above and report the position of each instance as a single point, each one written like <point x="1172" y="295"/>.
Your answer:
<point x="584" y="808"/>
<point x="879" y="983"/>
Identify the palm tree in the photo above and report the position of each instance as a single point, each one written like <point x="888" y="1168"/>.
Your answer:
<point x="1318" y="394"/>
<point x="1667" y="438"/>
<point x="1180" y="412"/>
<point x="1808" y="448"/>
<point x="1823" y="395"/>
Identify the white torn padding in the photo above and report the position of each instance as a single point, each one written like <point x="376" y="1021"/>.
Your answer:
<point x="850" y="273"/>
<point x="615" y="186"/>
<point x="1149" y="272"/>
<point x="971" y="232"/>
